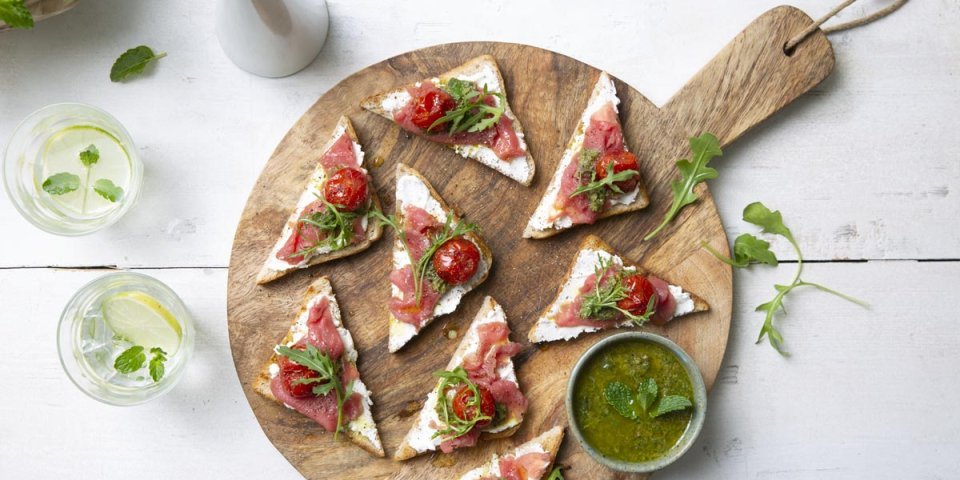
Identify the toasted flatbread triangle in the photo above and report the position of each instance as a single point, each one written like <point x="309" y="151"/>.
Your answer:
<point x="361" y="430"/>
<point x="548" y="442"/>
<point x="481" y="70"/>
<point x="419" y="439"/>
<point x="546" y="220"/>
<point x="546" y="329"/>
<point x="275" y="268"/>
<point x="414" y="189"/>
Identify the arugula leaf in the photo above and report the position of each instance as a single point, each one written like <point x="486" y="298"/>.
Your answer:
<point x="89" y="156"/>
<point x="472" y="114"/>
<point x="133" y="62"/>
<point x="108" y="190"/>
<point x="556" y="474"/>
<point x="620" y="398"/>
<point x="339" y="224"/>
<point x="61" y="183"/>
<point x="692" y="173"/>
<point x="671" y="403"/>
<point x="747" y="249"/>
<point x="647" y="393"/>
<point x="770" y="222"/>
<point x="328" y="376"/>
<point x="607" y="182"/>
<point x="130" y="360"/>
<point x="15" y="14"/>
<point x="454" y="425"/>
<point x="157" y="368"/>
<point x="601" y="303"/>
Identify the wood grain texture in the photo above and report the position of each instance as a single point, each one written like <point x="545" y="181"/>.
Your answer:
<point x="749" y="80"/>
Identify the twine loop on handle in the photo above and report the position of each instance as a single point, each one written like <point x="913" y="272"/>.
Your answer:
<point x="883" y="12"/>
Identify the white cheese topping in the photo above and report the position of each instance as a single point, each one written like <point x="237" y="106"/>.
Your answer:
<point x="492" y="468"/>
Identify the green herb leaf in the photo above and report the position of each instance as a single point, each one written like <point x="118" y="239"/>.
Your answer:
<point x="692" y="173"/>
<point x="15" y="14"/>
<point x="471" y="114"/>
<point x="337" y="224"/>
<point x="770" y="222"/>
<point x="454" y="426"/>
<point x="131" y="360"/>
<point x="647" y="393"/>
<point x="108" y="190"/>
<point x="601" y="303"/>
<point x="61" y="183"/>
<point x="328" y="375"/>
<point x="671" y="403"/>
<point x="606" y="183"/>
<point x="133" y="62"/>
<point x="747" y="249"/>
<point x="620" y="398"/>
<point x="425" y="262"/>
<point x="556" y="474"/>
<point x="89" y="156"/>
<point x="157" y="368"/>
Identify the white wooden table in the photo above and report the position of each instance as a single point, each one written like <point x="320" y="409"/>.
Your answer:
<point x="865" y="169"/>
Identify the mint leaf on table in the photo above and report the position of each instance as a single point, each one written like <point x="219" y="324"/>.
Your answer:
<point x="133" y="62"/>
<point x="15" y="14"/>
<point x="671" y="403"/>
<point x="108" y="190"/>
<point x="692" y="173"/>
<point x="620" y="398"/>
<point x="61" y="183"/>
<point x="89" y="156"/>
<point x="157" y="368"/>
<point x="647" y="393"/>
<point x="130" y="360"/>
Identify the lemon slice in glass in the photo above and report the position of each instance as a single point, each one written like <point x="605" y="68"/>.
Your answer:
<point x="142" y="320"/>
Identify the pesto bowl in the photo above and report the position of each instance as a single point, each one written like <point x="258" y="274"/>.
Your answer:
<point x="689" y="435"/>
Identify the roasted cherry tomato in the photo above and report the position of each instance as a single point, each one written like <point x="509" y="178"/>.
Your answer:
<point x="463" y="409"/>
<point x="347" y="189"/>
<point x="639" y="291"/>
<point x="456" y="260"/>
<point x="622" y="161"/>
<point x="430" y="108"/>
<point x="291" y="372"/>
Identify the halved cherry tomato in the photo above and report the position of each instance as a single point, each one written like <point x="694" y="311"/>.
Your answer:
<point x="639" y="290"/>
<point x="622" y="161"/>
<point x="463" y="410"/>
<point x="430" y="108"/>
<point x="456" y="260"/>
<point x="347" y="189"/>
<point x="290" y="373"/>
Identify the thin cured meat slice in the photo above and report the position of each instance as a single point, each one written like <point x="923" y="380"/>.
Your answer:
<point x="529" y="466"/>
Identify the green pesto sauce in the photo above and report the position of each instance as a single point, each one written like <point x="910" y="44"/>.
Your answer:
<point x="613" y="435"/>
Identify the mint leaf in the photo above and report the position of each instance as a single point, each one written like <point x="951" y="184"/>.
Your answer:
<point x="89" y="156"/>
<point x="133" y="62"/>
<point x="157" y="368"/>
<point x="61" y="183"/>
<point x="620" y="398"/>
<point x="671" y="403"/>
<point x="15" y="14"/>
<point x="130" y="360"/>
<point x="702" y="149"/>
<point x="647" y="393"/>
<point x="108" y="190"/>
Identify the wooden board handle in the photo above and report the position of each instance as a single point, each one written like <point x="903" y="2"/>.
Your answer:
<point x="751" y="78"/>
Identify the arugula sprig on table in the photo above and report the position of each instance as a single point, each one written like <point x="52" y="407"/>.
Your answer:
<point x="601" y="303"/>
<point x="692" y="173"/>
<point x="472" y="114"/>
<point x="133" y="358"/>
<point x="748" y="250"/>
<point x="15" y="14"/>
<point x="328" y="376"/>
<point x="456" y="426"/>
<point x="623" y="400"/>
<point x="65" y="182"/>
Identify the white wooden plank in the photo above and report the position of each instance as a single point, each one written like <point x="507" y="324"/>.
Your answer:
<point x="863" y="168"/>
<point x="866" y="393"/>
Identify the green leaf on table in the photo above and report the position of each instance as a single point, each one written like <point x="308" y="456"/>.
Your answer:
<point x="556" y="474"/>
<point x="61" y="183"/>
<point x="620" y="398"/>
<point x="130" y="360"/>
<point x="133" y="62"/>
<point x="89" y="156"/>
<point x="157" y="368"/>
<point x="747" y="249"/>
<point x="671" y="403"/>
<point x="108" y="190"/>
<point x="647" y="393"/>
<point x="770" y="222"/>
<point x="15" y="14"/>
<point x="692" y="173"/>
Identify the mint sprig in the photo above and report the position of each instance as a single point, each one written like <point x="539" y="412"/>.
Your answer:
<point x="130" y="360"/>
<point x="61" y="183"/>
<point x="133" y="62"/>
<point x="106" y="189"/>
<point x="621" y="398"/>
<point x="157" y="368"/>
<point x="692" y="173"/>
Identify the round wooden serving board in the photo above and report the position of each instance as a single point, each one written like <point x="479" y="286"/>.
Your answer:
<point x="548" y="92"/>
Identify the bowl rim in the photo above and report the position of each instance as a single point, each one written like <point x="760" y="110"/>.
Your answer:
<point x="696" y="421"/>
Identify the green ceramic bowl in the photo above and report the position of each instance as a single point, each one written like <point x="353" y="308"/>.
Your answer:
<point x="696" y="421"/>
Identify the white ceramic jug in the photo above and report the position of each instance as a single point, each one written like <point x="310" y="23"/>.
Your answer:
<point x="272" y="38"/>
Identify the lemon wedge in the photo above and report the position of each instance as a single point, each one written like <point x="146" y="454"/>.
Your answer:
<point x="142" y="320"/>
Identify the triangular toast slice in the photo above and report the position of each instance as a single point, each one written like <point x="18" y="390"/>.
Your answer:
<point x="481" y="71"/>
<point x="420" y="439"/>
<point x="362" y="430"/>
<point x="414" y="190"/>
<point x="530" y="460"/>
<point x="548" y="220"/>
<point x="275" y="267"/>
<point x="592" y="251"/>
